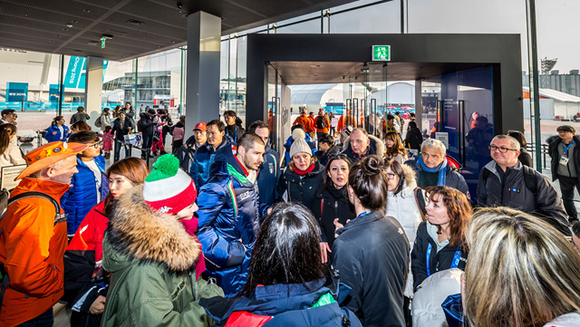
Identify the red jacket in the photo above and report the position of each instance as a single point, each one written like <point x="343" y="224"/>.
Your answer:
<point x="91" y="231"/>
<point x="32" y="246"/>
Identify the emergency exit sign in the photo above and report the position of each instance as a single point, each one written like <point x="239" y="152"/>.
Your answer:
<point x="102" y="43"/>
<point x="381" y="53"/>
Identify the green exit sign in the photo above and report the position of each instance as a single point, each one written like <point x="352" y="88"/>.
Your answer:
<point x="102" y="43"/>
<point x="381" y="53"/>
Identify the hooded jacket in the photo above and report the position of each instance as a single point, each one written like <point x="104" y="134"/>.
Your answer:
<point x="152" y="259"/>
<point x="512" y="192"/>
<point x="300" y="189"/>
<point x="229" y="221"/>
<point x="328" y="205"/>
<point x="32" y="245"/>
<point x="403" y="205"/>
<point x="442" y="256"/>
<point x="268" y="176"/>
<point x="204" y="158"/>
<point x="376" y="147"/>
<point x="323" y="156"/>
<point x="413" y="139"/>
<point x="308" y="305"/>
<point x="82" y="196"/>
<point x="377" y="277"/>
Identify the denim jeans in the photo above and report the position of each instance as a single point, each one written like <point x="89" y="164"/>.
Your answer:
<point x="118" y="146"/>
<point x="44" y="320"/>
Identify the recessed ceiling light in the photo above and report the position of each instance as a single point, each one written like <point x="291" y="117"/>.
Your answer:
<point x="69" y="25"/>
<point x="86" y="11"/>
<point x="172" y="41"/>
<point x="65" y="29"/>
<point x="134" y="22"/>
<point x="57" y="35"/>
<point x="25" y="15"/>
<point x="74" y="21"/>
<point x="51" y="41"/>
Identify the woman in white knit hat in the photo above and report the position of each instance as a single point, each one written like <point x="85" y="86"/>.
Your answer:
<point x="154" y="259"/>
<point x="300" y="179"/>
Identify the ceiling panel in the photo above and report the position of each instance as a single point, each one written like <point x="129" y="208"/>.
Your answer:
<point x="42" y="25"/>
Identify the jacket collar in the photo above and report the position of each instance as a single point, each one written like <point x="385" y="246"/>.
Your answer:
<point x="359" y="221"/>
<point x="493" y="167"/>
<point x="54" y="189"/>
<point x="136" y="230"/>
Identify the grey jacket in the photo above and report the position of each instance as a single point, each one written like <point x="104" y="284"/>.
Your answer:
<point x="513" y="193"/>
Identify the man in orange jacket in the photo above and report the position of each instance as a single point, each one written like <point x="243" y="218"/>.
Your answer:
<point x="33" y="236"/>
<point x="305" y="121"/>
<point x="322" y="124"/>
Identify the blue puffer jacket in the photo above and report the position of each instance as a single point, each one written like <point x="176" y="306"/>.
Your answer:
<point x="203" y="158"/>
<point x="228" y="212"/>
<point x="56" y="137"/>
<point x="268" y="176"/>
<point x="290" y="305"/>
<point x="82" y="196"/>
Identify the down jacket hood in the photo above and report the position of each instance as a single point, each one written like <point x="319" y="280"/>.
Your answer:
<point x="136" y="232"/>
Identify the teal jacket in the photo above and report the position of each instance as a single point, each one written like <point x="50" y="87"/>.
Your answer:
<point x="152" y="259"/>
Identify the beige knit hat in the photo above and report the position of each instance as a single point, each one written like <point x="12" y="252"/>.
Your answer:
<point x="299" y="146"/>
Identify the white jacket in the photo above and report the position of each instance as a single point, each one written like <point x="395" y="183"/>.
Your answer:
<point x="427" y="310"/>
<point x="568" y="320"/>
<point x="12" y="155"/>
<point x="403" y="207"/>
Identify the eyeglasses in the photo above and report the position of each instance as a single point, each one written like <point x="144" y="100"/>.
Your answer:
<point x="391" y="175"/>
<point x="96" y="145"/>
<point x="501" y="149"/>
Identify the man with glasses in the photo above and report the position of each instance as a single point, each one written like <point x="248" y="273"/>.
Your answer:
<point x="506" y="182"/>
<point x="269" y="171"/>
<point x="89" y="185"/>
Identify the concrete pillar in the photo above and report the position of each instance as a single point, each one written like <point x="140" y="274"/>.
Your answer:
<point x="93" y="87"/>
<point x="203" y="69"/>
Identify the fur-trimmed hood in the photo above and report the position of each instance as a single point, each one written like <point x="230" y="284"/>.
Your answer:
<point x="136" y="232"/>
<point x="410" y="177"/>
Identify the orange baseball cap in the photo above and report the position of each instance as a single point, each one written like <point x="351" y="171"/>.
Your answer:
<point x="201" y="126"/>
<point x="49" y="154"/>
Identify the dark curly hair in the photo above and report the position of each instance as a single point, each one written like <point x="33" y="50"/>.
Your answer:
<point x="368" y="180"/>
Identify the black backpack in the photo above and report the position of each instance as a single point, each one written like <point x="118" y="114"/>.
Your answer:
<point x="5" y="201"/>
<point x="320" y="122"/>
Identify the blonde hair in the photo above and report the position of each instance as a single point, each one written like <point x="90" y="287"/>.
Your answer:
<point x="521" y="271"/>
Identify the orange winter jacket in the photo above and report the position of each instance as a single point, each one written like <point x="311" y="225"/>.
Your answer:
<point x="326" y="124"/>
<point x="32" y="245"/>
<point x="305" y="122"/>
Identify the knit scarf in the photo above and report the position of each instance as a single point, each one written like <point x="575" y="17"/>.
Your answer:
<point x="303" y="173"/>
<point x="442" y="169"/>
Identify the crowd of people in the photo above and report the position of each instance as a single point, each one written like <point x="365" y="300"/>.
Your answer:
<point x="349" y="229"/>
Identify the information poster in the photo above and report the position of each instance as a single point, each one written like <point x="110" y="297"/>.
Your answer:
<point x="8" y="174"/>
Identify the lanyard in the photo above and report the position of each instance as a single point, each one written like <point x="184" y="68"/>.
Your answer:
<point x="454" y="264"/>
<point x="364" y="213"/>
<point x="566" y="148"/>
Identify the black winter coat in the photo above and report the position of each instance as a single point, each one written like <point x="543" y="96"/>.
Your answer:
<point x="146" y="125"/>
<point x="371" y="254"/>
<point x="121" y="130"/>
<point x="329" y="204"/>
<point x="300" y="190"/>
<point x="413" y="139"/>
<point x="438" y="261"/>
<point x="323" y="156"/>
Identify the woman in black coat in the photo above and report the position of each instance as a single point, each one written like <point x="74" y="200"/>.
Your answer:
<point x="331" y="202"/>
<point x="299" y="181"/>
<point x="439" y="243"/>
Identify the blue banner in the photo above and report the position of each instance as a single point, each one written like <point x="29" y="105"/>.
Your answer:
<point x="76" y="72"/>
<point x="16" y="92"/>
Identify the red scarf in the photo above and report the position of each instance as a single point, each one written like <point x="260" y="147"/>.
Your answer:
<point x="303" y="173"/>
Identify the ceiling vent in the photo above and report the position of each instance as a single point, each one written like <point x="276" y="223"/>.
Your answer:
<point x="134" y="22"/>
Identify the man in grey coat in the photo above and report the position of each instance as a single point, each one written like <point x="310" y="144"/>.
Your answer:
<point x="506" y="182"/>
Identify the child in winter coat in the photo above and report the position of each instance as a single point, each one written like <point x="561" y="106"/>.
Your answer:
<point x="108" y="141"/>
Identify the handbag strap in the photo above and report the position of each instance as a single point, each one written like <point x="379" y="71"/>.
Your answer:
<point x="420" y="200"/>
